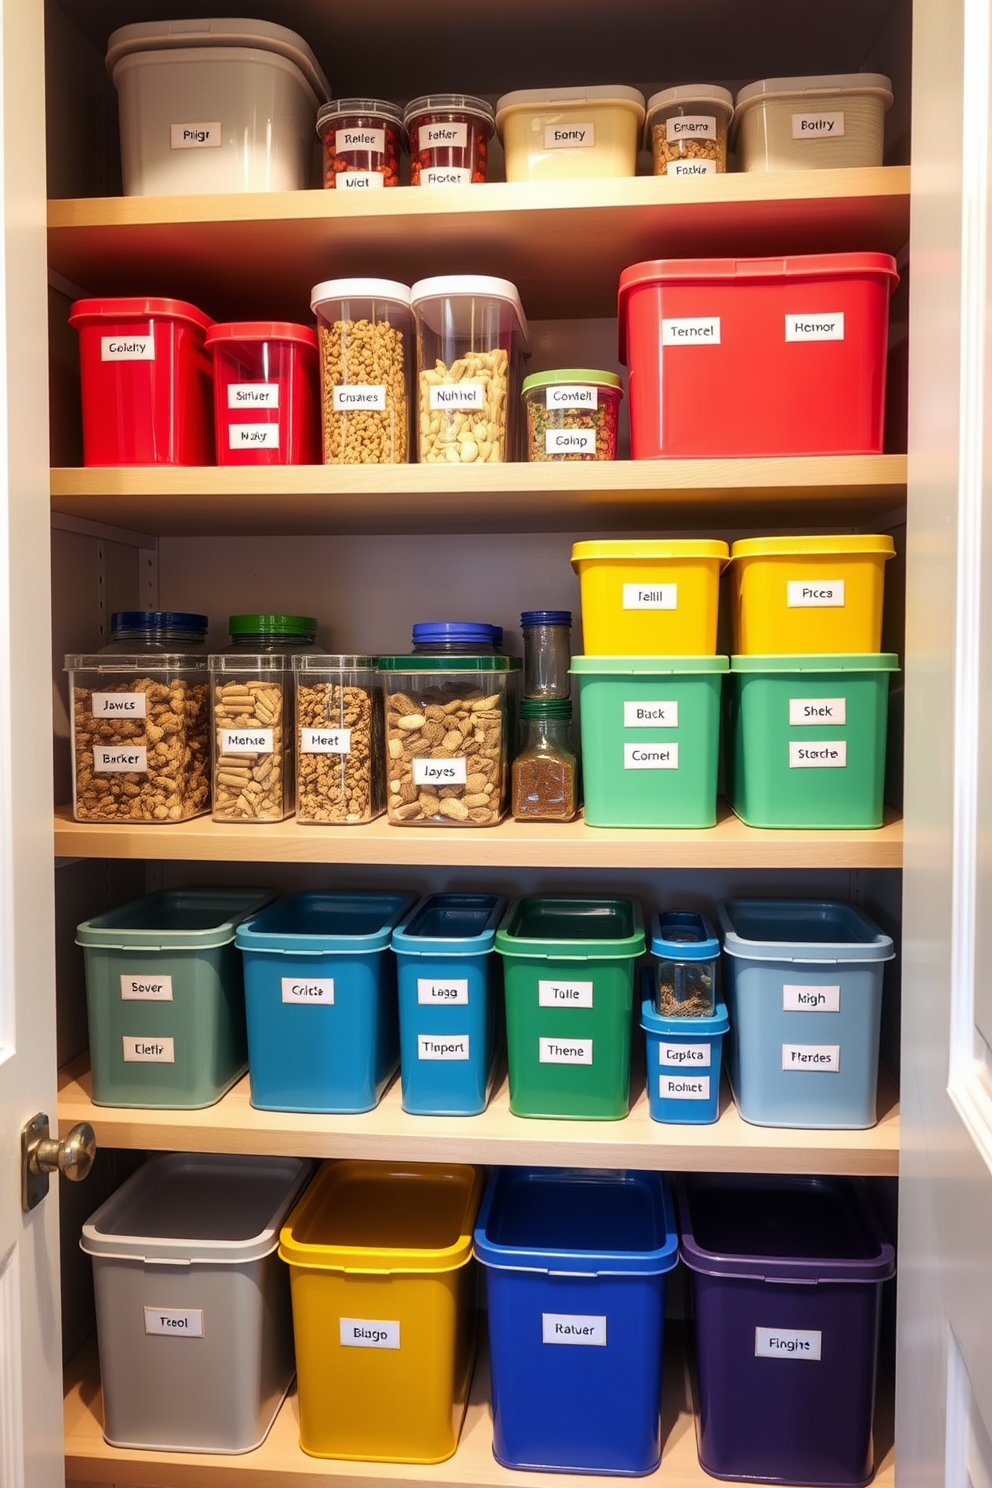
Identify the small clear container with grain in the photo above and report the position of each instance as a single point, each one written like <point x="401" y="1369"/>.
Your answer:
<point x="687" y="952"/>
<point x="572" y="414"/>
<point x="687" y="129"/>
<point x="339" y="721"/>
<point x="570" y="134"/>
<point x="365" y="331"/>
<point x="812" y="123"/>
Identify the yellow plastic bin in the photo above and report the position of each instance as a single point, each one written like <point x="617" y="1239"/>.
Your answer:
<point x="383" y="1288"/>
<point x="650" y="598"/>
<point x="808" y="596"/>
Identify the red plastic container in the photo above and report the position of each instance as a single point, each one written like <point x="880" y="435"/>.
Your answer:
<point x="761" y="356"/>
<point x="147" y="383"/>
<point x="265" y="393"/>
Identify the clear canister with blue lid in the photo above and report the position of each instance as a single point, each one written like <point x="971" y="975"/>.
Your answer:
<point x="547" y="653"/>
<point x="686" y="951"/>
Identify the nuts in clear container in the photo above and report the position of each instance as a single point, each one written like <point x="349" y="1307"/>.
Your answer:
<point x="339" y="718"/>
<point x="572" y="414"/>
<point x="463" y="410"/>
<point x="364" y="328"/>
<point x="687" y="130"/>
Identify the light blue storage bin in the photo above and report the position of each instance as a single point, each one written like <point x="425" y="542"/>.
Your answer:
<point x="803" y="983"/>
<point x="450" y="984"/>
<point x="683" y="1062"/>
<point x="320" y="995"/>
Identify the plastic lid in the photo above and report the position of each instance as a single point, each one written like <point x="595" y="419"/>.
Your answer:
<point x="325" y="661"/>
<point x="449" y="103"/>
<point x="460" y="286"/>
<point x="177" y="620"/>
<point x="572" y="928"/>
<point x="346" y="107"/>
<point x="149" y="36"/>
<point x="442" y="663"/>
<point x="573" y="375"/>
<point x="678" y="547"/>
<point x="806" y="547"/>
<point x="279" y="625"/>
<point x="704" y="93"/>
<point x="137" y="307"/>
<point x="556" y="98"/>
<point x="314" y="924"/>
<point x="545" y="617"/>
<point x="683" y="935"/>
<point x="882" y="661"/>
<point x="560" y="708"/>
<point x="173" y="920"/>
<point x="359" y="289"/>
<point x="819" y="931"/>
<point x="646" y="666"/>
<point x="457" y="632"/>
<point x="714" y="1025"/>
<point x="819" y="85"/>
<point x="450" y="925"/>
<point x="262" y="330"/>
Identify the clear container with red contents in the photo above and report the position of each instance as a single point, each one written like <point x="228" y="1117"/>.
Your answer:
<point x="361" y="139"/>
<point x="449" y="139"/>
<point x="265" y="393"/>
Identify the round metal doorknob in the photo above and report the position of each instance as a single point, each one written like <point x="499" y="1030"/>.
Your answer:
<point x="73" y="1156"/>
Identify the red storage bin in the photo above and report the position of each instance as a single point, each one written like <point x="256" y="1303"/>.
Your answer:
<point x="756" y="356"/>
<point x="147" y="383"/>
<point x="265" y="393"/>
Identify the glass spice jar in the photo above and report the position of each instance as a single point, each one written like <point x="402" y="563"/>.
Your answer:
<point x="545" y="774"/>
<point x="361" y="140"/>
<point x="449" y="137"/>
<point x="547" y="653"/>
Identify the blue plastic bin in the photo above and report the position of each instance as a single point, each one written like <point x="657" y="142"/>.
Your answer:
<point x="320" y="994"/>
<point x="803" y="983"/>
<point x="683" y="1062"/>
<point x="575" y="1280"/>
<point x="448" y="976"/>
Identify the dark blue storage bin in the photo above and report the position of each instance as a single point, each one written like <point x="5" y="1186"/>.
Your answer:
<point x="683" y="1061"/>
<point x="449" y="985"/>
<point x="320" y="995"/>
<point x="575" y="1279"/>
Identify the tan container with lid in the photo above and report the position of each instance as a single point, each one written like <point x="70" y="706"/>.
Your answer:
<point x="687" y="129"/>
<point x="570" y="134"/>
<point x="812" y="123"/>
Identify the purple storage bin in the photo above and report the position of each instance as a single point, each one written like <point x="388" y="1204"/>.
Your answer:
<point x="787" y="1279"/>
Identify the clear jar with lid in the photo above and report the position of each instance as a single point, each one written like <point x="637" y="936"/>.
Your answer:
<point x="253" y="716"/>
<point x="449" y="137"/>
<point x="686" y="951"/>
<point x="365" y="331"/>
<point x="687" y="129"/>
<point x="339" y="722"/>
<point x="361" y="140"/>
<point x="572" y="414"/>
<point x="547" y="653"/>
<point x="140" y="721"/>
<point x="546" y="771"/>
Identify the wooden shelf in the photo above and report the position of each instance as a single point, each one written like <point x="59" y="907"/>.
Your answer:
<point x="562" y="243"/>
<point x="827" y="490"/>
<point x="730" y="844"/>
<point x="279" y="1462"/>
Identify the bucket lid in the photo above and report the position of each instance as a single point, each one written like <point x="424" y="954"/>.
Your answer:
<point x="343" y="108"/>
<point x="818" y="931"/>
<point x="173" y="920"/>
<point x="714" y="1026"/>
<point x="464" y="286"/>
<point x="262" y="330"/>
<point x="819" y="85"/>
<point x="137" y="307"/>
<point x="705" y="93"/>
<point x="449" y="103"/>
<point x="683" y="935"/>
<point x="676" y="547"/>
<point x="770" y="1228"/>
<point x="646" y="666"/>
<point x="574" y="375"/>
<point x="340" y="924"/>
<point x="545" y="617"/>
<point x="450" y="925"/>
<point x="359" y="289"/>
<point x="571" y="927"/>
<point x="882" y="661"/>
<point x="443" y="663"/>
<point x="811" y="547"/>
<point x="214" y="31"/>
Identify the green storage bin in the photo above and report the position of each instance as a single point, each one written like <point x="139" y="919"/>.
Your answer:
<point x="650" y="739"/>
<point x="806" y="739"/>
<point x="165" y="997"/>
<point x="568" y="967"/>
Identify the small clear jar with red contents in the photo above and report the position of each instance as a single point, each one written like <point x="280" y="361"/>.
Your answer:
<point x="449" y="137"/>
<point x="361" y="139"/>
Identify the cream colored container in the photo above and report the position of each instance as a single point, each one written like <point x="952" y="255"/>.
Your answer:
<point x="812" y="123"/>
<point x="570" y="134"/>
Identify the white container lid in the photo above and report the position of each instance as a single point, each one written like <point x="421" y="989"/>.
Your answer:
<point x="705" y="93"/>
<point x="208" y="31"/>
<point x="461" y="286"/>
<point x="823" y="86"/>
<point x="558" y="97"/>
<point x="359" y="289"/>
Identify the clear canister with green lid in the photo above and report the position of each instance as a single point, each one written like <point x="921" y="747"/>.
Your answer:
<point x="572" y="414"/>
<point x="687" y="129"/>
<point x="545" y="775"/>
<point x="339" y="739"/>
<point x="253" y="716"/>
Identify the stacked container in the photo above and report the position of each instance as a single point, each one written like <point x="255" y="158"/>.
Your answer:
<point x="545" y="775"/>
<point x="683" y="1021"/>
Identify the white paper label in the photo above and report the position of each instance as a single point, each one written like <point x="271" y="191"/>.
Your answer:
<point x="804" y="711"/>
<point x="787" y="1343"/>
<point x="453" y="993"/>
<point x="253" y="395"/>
<point x="570" y="441"/>
<point x="823" y="1058"/>
<point x="195" y="136"/>
<point x="818" y="126"/>
<point x="815" y="594"/>
<point x="253" y="436"/>
<point x="650" y="596"/>
<point x="303" y="991"/>
<point x="569" y="136"/>
<point x="458" y="395"/>
<point x="447" y="1046"/>
<point x="564" y="1051"/>
<point x="684" y="1087"/>
<point x="348" y="396"/>
<point x="443" y="137"/>
<point x="440" y="771"/>
<point x="360" y="139"/>
<point x="650" y="756"/>
<point x="691" y="168"/>
<point x="117" y="704"/>
<point x="573" y="1327"/>
<point x="564" y="994"/>
<point x="325" y="741"/>
<point x="137" y="986"/>
<point x="571" y="395"/>
<point x="127" y="348"/>
<point x="368" y="1333"/>
<point x="651" y="715"/>
<point x="446" y="175"/>
<point x="823" y="755"/>
<point x="166" y="1321"/>
<point x="149" y="1050"/>
<point x="120" y="759"/>
<point x="810" y="999"/>
<point x="698" y="1056"/>
<point x="348" y="180"/>
<point x="246" y="741"/>
<point x="692" y="330"/>
<point x="816" y="327"/>
<point x="690" y="126"/>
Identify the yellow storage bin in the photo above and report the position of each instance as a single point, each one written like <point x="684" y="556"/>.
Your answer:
<point x="383" y="1288"/>
<point x="808" y="596"/>
<point x="650" y="598"/>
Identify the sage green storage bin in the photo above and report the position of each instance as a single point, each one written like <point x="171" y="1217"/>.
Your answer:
<point x="568" y="971"/>
<point x="806" y="739"/>
<point x="650" y="739"/>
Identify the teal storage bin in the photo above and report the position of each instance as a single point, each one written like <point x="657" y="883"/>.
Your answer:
<point x="806" y="739"/>
<point x="803" y="983"/>
<point x="684" y="1057"/>
<point x="164" y="997"/>
<point x="650" y="739"/>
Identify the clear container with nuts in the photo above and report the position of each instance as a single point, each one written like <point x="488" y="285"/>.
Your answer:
<point x="572" y="414"/>
<point x="141" y="721"/>
<point x="448" y="726"/>
<point x="253" y="717"/>
<point x="472" y="338"/>
<point x="365" y="329"/>
<point x="339" y="740"/>
<point x="687" y="129"/>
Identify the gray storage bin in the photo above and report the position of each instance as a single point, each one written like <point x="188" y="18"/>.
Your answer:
<point x="192" y="1302"/>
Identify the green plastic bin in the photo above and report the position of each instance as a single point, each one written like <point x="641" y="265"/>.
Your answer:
<point x="806" y="739"/>
<point x="650" y="739"/>
<point x="568" y="966"/>
<point x="165" y="997"/>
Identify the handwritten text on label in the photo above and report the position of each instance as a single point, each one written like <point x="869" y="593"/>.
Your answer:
<point x="823" y="1058"/>
<point x="787" y="1343"/>
<point x="651" y="715"/>
<point x="797" y="999"/>
<point x="569" y="1327"/>
<point x="120" y="759"/>
<point x="172" y="1322"/>
<point x="307" y="991"/>
<point x="142" y="987"/>
<point x="117" y="704"/>
<point x="452" y="993"/>
<point x="564" y="994"/>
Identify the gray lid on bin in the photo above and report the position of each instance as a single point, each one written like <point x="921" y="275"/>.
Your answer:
<point x="816" y="931"/>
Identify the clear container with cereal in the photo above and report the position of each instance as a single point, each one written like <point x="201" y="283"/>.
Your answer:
<point x="365" y="330"/>
<point x="253" y="716"/>
<point x="361" y="140"/>
<point x="141" y="721"/>
<point x="340" y="777"/>
<point x="472" y="338"/>
<point x="687" y="129"/>
<point x="449" y="137"/>
<point x="686" y="953"/>
<point x="572" y="414"/>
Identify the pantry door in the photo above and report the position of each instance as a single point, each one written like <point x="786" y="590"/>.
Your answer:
<point x="944" y="1385"/>
<point x="30" y="1347"/>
